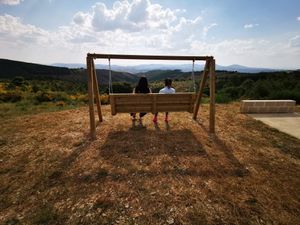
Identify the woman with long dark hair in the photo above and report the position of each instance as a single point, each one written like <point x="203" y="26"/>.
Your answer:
<point x="141" y="88"/>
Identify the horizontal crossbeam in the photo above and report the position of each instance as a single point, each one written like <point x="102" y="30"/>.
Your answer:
<point x="147" y="57"/>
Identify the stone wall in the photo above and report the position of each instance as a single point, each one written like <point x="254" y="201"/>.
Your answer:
<point x="268" y="106"/>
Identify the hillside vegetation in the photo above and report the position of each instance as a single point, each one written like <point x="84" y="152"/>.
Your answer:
<point x="30" y="88"/>
<point x="31" y="71"/>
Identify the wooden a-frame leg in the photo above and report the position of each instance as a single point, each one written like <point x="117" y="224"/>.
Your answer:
<point x="212" y="105"/>
<point x="201" y="88"/>
<point x="96" y="92"/>
<point x="91" y="97"/>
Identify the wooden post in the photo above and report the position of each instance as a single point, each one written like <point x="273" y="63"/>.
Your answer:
<point x="191" y="104"/>
<point x="154" y="108"/>
<point x="112" y="103"/>
<point x="96" y="91"/>
<point x="91" y="97"/>
<point x="201" y="88"/>
<point x="212" y="107"/>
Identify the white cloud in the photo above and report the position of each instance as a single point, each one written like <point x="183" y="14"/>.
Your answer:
<point x="117" y="29"/>
<point x="295" y="41"/>
<point x="138" y="12"/>
<point x="134" y="16"/>
<point x="248" y="26"/>
<point x="157" y="28"/>
<point x="298" y="18"/>
<point x="10" y="2"/>
<point x="252" y="52"/>
<point x="104" y="19"/>
<point x="207" y="28"/>
<point x="235" y="47"/>
<point x="12" y="28"/>
<point x="161" y="18"/>
<point x="82" y="19"/>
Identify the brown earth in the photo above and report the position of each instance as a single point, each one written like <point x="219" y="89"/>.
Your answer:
<point x="50" y="173"/>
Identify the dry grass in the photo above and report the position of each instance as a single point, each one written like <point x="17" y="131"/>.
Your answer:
<point x="178" y="174"/>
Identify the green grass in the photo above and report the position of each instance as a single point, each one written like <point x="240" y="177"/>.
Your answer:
<point x="8" y="110"/>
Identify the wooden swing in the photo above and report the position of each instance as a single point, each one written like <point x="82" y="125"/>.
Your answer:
<point x="130" y="103"/>
<point x="152" y="102"/>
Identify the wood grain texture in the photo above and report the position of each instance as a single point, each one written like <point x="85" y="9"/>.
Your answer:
<point x="91" y="98"/>
<point x="127" y="103"/>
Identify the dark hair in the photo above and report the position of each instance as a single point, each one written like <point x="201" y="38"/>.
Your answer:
<point x="142" y="86"/>
<point x="168" y="82"/>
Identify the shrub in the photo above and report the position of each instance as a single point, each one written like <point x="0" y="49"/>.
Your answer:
<point x="261" y="89"/>
<point x="247" y="84"/>
<point x="122" y="87"/>
<point x="18" y="81"/>
<point x="60" y="103"/>
<point x="223" y="98"/>
<point x="286" y="94"/>
<point x="60" y="96"/>
<point x="35" y="88"/>
<point x="43" y="96"/>
<point x="11" y="96"/>
<point x="233" y="92"/>
<point x="51" y="96"/>
<point x="104" y="99"/>
<point x="83" y="98"/>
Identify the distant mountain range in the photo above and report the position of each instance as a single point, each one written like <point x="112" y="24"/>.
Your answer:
<point x="183" y="67"/>
<point x="77" y="72"/>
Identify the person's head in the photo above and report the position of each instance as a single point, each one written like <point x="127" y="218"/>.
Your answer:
<point x="168" y="82"/>
<point x="143" y="83"/>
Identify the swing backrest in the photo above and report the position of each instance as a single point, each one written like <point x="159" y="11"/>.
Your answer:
<point x="133" y="103"/>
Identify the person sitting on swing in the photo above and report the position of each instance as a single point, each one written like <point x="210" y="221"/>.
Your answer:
<point x="143" y="88"/>
<point x="166" y="90"/>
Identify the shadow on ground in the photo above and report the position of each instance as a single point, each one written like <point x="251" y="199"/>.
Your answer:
<point x="168" y="152"/>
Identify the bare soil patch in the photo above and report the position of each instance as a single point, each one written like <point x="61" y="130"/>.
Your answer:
<point x="50" y="173"/>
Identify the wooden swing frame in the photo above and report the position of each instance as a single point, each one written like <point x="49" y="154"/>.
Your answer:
<point x="155" y="101"/>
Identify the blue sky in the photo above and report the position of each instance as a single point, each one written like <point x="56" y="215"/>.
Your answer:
<point x="252" y="33"/>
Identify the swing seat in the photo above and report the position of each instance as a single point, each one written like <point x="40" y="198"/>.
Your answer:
<point x="153" y="102"/>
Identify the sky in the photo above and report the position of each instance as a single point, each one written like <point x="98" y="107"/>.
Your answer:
<point x="256" y="33"/>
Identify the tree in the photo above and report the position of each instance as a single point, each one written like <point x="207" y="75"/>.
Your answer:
<point x="121" y="87"/>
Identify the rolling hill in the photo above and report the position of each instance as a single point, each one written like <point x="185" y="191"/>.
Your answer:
<point x="155" y="75"/>
<point x="10" y="69"/>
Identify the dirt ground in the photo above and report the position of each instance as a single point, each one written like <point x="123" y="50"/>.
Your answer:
<point x="50" y="173"/>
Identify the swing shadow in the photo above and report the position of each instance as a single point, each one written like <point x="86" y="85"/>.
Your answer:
<point x="137" y="125"/>
<point x="173" y="152"/>
<point x="220" y="144"/>
<point x="158" y="126"/>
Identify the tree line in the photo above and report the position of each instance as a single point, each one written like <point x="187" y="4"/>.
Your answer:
<point x="230" y="86"/>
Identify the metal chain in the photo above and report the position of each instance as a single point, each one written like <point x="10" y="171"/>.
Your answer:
<point x="110" y="87"/>
<point x="193" y="75"/>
